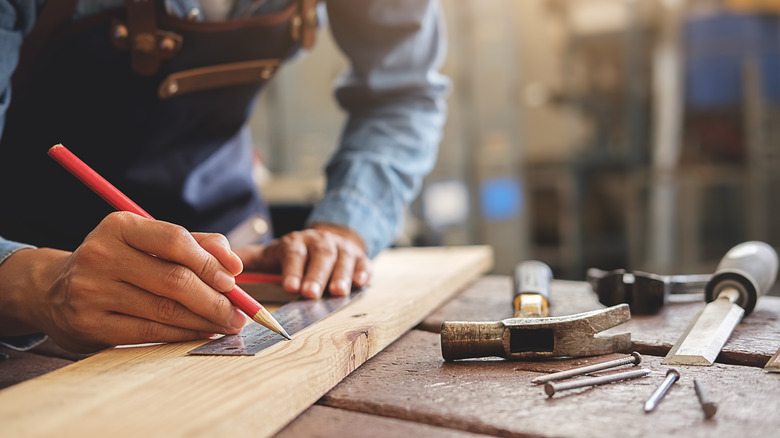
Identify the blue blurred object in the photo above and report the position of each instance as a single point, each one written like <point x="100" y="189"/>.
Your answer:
<point x="501" y="198"/>
<point x="718" y="46"/>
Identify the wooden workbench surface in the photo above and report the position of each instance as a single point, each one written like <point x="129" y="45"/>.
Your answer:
<point x="409" y="385"/>
<point x="408" y="390"/>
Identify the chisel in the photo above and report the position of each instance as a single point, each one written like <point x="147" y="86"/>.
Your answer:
<point x="531" y="289"/>
<point x="746" y="272"/>
<point x="773" y="365"/>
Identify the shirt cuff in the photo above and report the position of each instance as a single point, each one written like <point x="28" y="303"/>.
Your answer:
<point x="8" y="247"/>
<point x="24" y="342"/>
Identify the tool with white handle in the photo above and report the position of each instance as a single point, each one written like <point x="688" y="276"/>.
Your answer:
<point x="746" y="272"/>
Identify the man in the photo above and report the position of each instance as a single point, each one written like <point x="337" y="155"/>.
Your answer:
<point x="155" y="95"/>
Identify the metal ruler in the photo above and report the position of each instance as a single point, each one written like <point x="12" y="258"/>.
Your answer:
<point x="293" y="316"/>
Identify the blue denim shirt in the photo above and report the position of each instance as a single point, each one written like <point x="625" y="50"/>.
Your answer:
<point x="393" y="94"/>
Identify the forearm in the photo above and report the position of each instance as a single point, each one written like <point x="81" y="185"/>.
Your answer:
<point x="24" y="275"/>
<point x="395" y="100"/>
<point x="378" y="170"/>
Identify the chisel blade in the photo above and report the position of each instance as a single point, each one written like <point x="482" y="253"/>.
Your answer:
<point x="773" y="366"/>
<point x="706" y="335"/>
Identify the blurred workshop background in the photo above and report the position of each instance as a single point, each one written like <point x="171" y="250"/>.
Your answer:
<point x="638" y="134"/>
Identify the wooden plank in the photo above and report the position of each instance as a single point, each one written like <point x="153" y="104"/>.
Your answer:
<point x="322" y="421"/>
<point x="753" y="342"/>
<point x="410" y="381"/>
<point x="160" y="391"/>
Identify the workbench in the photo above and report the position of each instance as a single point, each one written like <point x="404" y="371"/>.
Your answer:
<point x="408" y="390"/>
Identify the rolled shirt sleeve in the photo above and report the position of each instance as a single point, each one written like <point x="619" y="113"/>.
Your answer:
<point x="394" y="97"/>
<point x="8" y="247"/>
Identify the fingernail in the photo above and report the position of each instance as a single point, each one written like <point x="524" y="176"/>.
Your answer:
<point x="314" y="289"/>
<point x="339" y="287"/>
<point x="292" y="284"/>
<point x="362" y="278"/>
<point x="224" y="282"/>
<point x="238" y="319"/>
<point x="205" y="335"/>
<point x="240" y="262"/>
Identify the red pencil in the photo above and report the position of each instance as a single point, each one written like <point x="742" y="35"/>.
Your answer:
<point x="257" y="277"/>
<point x="119" y="201"/>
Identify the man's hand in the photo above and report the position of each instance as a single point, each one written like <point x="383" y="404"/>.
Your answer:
<point x="310" y="260"/>
<point x="132" y="280"/>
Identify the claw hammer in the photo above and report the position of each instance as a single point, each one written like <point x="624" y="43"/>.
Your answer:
<point x="531" y="334"/>
<point x="537" y="338"/>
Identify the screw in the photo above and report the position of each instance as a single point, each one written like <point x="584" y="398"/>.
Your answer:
<point x="672" y="375"/>
<point x="709" y="407"/>
<point x="551" y="387"/>
<point x="635" y="359"/>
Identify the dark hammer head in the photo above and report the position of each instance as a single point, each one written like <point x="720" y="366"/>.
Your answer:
<point x="645" y="293"/>
<point x="537" y="338"/>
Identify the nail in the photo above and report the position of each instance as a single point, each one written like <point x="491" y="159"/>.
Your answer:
<point x="224" y="282"/>
<point x="315" y="290"/>
<point x="635" y="359"/>
<point x="362" y="278"/>
<point x="292" y="284"/>
<point x="672" y="375"/>
<point x="552" y="387"/>
<point x="709" y="407"/>
<point x="339" y="287"/>
<point x="240" y="262"/>
<point x="237" y="319"/>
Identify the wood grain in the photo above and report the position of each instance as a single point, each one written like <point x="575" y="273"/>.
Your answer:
<point x="753" y="342"/>
<point x="160" y="391"/>
<point x="410" y="381"/>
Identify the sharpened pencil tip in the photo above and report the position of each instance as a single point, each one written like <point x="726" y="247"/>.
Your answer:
<point x="265" y="318"/>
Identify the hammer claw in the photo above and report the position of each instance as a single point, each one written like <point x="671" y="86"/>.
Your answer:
<point x="531" y="338"/>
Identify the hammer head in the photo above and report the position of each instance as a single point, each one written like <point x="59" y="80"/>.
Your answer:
<point x="646" y="293"/>
<point x="567" y="336"/>
<point x="536" y="338"/>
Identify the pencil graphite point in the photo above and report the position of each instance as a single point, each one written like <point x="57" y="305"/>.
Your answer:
<point x="264" y="318"/>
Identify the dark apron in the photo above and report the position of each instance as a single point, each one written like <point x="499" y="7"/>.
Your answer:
<point x="158" y="106"/>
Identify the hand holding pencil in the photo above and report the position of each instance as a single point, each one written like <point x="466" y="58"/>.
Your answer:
<point x="172" y="292"/>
